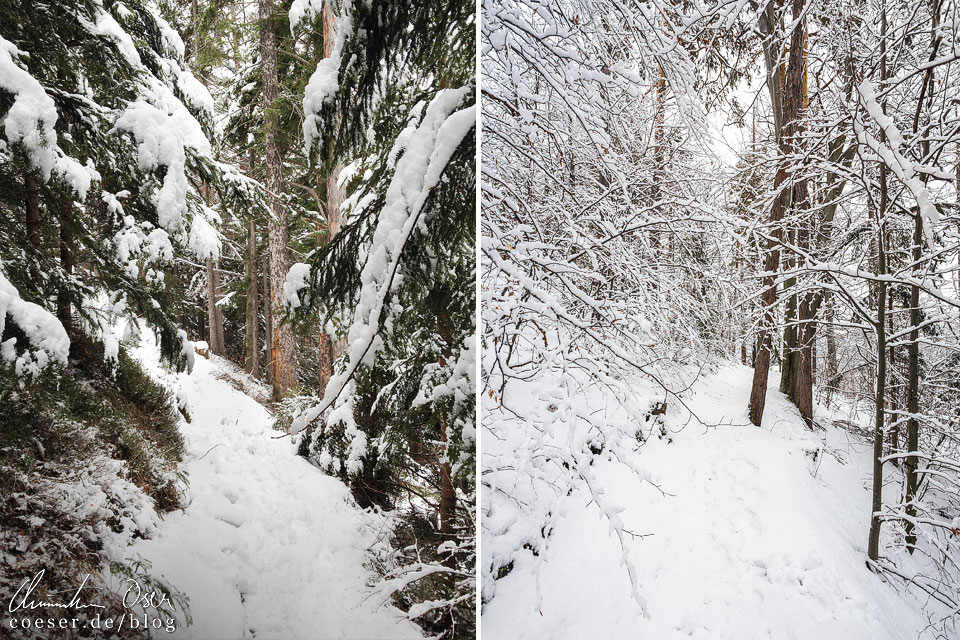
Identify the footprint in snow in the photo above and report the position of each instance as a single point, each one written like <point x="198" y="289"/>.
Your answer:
<point x="231" y="515"/>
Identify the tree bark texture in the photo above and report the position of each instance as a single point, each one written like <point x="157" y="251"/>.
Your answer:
<point x="448" y="493"/>
<point x="67" y="259"/>
<point x="792" y="94"/>
<point x="873" y="540"/>
<point x="267" y="317"/>
<point x="252" y="320"/>
<point x="283" y="348"/>
<point x="32" y="206"/>
<point x="328" y="349"/>
<point x="214" y="312"/>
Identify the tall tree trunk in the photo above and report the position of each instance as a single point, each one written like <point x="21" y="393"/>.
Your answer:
<point x="32" y="206"/>
<point x="913" y="390"/>
<point x="893" y="388"/>
<point x="873" y="545"/>
<point x="796" y="376"/>
<point x="328" y="350"/>
<point x="771" y="51"/>
<point x="831" y="364"/>
<point x="792" y="100"/>
<point x="334" y="195"/>
<point x="266" y="298"/>
<point x="873" y="541"/>
<point x="448" y="494"/>
<point x="325" y="359"/>
<point x="913" y="350"/>
<point x="806" y="329"/>
<point x="214" y="312"/>
<point x="251" y="320"/>
<point x="283" y="348"/>
<point x="761" y="367"/>
<point x="788" y="367"/>
<point x="67" y="259"/>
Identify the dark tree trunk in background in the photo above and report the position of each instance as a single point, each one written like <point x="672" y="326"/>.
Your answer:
<point x="798" y="335"/>
<point x="913" y="392"/>
<point x="832" y="365"/>
<point x="873" y="541"/>
<point x="873" y="545"/>
<point x="64" y="311"/>
<point x="32" y="205"/>
<point x="913" y="350"/>
<point x="283" y="348"/>
<point x="215" y="337"/>
<point x="893" y="389"/>
<point x="792" y="94"/>
<point x="325" y="360"/>
<point x="790" y="357"/>
<point x="806" y="312"/>
<point x="788" y="366"/>
<point x="802" y="392"/>
<point x="214" y="313"/>
<point x="448" y="493"/>
<point x="252" y="321"/>
<point x="267" y="317"/>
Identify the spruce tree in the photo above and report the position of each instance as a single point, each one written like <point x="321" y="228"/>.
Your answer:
<point x="102" y="165"/>
<point x="397" y="281"/>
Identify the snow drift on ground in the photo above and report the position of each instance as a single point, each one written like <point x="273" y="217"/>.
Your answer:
<point x="757" y="533"/>
<point x="267" y="546"/>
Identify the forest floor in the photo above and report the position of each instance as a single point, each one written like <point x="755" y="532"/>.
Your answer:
<point x="757" y="533"/>
<point x="267" y="546"/>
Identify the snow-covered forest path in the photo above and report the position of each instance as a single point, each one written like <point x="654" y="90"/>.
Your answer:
<point x="760" y="533"/>
<point x="267" y="546"/>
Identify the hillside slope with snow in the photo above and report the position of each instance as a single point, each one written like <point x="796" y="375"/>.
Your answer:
<point x="753" y="533"/>
<point x="267" y="546"/>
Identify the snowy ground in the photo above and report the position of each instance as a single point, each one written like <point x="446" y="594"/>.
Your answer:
<point x="762" y="535"/>
<point x="267" y="547"/>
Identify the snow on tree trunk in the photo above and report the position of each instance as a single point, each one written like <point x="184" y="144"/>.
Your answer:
<point x="329" y="349"/>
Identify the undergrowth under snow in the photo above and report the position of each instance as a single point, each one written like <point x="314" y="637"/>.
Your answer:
<point x="734" y="532"/>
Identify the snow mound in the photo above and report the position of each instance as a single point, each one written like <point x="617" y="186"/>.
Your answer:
<point x="753" y="533"/>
